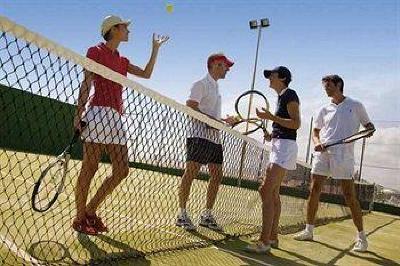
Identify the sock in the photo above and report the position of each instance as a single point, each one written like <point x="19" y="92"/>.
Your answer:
<point x="207" y="212"/>
<point x="309" y="227"/>
<point x="182" y="211"/>
<point x="361" y="235"/>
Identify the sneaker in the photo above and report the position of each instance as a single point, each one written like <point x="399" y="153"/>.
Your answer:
<point x="361" y="245"/>
<point x="258" y="247"/>
<point x="210" y="222"/>
<point x="304" y="236"/>
<point x="185" y="222"/>
<point x="96" y="222"/>
<point x="84" y="228"/>
<point x="274" y="243"/>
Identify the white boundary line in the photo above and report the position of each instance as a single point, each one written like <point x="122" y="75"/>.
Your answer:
<point x="19" y="252"/>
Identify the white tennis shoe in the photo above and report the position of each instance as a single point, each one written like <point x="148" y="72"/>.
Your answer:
<point x="258" y="247"/>
<point x="361" y="245"/>
<point x="304" y="235"/>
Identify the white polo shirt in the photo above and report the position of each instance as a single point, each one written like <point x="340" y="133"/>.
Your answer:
<point x="206" y="93"/>
<point x="338" y="121"/>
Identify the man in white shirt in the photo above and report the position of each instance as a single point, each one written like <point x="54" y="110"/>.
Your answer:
<point x="203" y="144"/>
<point x="337" y="120"/>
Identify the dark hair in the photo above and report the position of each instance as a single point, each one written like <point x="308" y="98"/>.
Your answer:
<point x="336" y="79"/>
<point x="287" y="78"/>
<point x="107" y="36"/>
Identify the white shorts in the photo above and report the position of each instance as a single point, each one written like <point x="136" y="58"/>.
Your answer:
<point x="335" y="165"/>
<point x="104" y="125"/>
<point x="284" y="153"/>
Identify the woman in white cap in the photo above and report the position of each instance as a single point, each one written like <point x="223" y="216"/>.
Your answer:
<point x="101" y="114"/>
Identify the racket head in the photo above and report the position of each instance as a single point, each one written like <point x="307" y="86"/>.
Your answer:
<point x="50" y="184"/>
<point x="253" y="99"/>
<point x="248" y="126"/>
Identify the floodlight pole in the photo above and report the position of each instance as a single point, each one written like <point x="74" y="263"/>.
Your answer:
<point x="256" y="60"/>
<point x="254" y="24"/>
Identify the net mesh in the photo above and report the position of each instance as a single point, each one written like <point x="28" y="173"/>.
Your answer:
<point x="39" y="87"/>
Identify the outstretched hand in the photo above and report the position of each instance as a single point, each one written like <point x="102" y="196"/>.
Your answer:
<point x="158" y="40"/>
<point x="231" y="120"/>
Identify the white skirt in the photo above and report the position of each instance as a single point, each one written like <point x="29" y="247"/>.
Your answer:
<point x="284" y="153"/>
<point x="104" y="125"/>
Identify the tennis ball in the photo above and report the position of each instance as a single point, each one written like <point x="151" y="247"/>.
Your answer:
<point x="170" y="8"/>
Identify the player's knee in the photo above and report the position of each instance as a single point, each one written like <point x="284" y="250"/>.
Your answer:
<point x="265" y="192"/>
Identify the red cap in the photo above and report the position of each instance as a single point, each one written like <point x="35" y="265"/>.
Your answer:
<point x="219" y="57"/>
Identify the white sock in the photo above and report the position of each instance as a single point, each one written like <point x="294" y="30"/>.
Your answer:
<point x="309" y="228"/>
<point x="361" y="235"/>
<point x="207" y="212"/>
<point x="182" y="211"/>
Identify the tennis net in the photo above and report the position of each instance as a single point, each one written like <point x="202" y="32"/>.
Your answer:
<point x="39" y="86"/>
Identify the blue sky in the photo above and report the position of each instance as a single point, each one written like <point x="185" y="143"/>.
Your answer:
<point x="359" y="40"/>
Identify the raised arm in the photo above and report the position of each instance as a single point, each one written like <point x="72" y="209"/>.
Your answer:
<point x="158" y="40"/>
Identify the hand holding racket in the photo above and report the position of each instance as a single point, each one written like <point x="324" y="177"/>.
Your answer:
<point x="360" y="135"/>
<point x="245" y="106"/>
<point x="51" y="181"/>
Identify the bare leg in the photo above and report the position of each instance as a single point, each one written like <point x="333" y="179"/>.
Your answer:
<point x="313" y="199"/>
<point x="277" y="215"/>
<point x="191" y="171"/>
<point x="120" y="170"/>
<point x="270" y="184"/>
<point x="91" y="157"/>
<point x="349" y="194"/>
<point x="213" y="185"/>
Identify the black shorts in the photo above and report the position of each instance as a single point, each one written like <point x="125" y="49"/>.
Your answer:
<point x="203" y="151"/>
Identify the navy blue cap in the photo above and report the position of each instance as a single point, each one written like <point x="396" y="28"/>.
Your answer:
<point x="283" y="72"/>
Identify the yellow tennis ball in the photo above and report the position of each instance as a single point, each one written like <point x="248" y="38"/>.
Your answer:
<point x="170" y="8"/>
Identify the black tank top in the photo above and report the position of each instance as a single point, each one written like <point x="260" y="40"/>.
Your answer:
<point x="279" y="131"/>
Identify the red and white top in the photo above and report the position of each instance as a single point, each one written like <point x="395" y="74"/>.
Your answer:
<point x="107" y="93"/>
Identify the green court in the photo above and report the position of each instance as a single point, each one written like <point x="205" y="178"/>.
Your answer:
<point x="332" y="246"/>
<point x="141" y="214"/>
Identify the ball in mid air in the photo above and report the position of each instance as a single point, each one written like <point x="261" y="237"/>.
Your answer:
<point x="170" y="8"/>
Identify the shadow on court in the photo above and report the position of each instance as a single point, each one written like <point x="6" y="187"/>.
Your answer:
<point x="99" y="256"/>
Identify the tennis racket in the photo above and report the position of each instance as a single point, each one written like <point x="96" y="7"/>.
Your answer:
<point x="51" y="181"/>
<point x="362" y="134"/>
<point x="245" y="107"/>
<point x="249" y="126"/>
